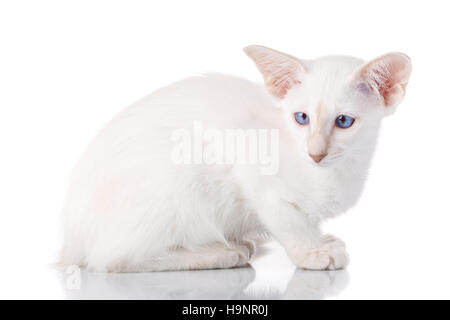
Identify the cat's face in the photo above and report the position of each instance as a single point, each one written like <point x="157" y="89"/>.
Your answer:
<point x="332" y="115"/>
<point x="333" y="105"/>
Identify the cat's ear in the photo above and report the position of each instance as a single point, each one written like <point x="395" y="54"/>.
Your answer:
<point x="387" y="76"/>
<point x="279" y="70"/>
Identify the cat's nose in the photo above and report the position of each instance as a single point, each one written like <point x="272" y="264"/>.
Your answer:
<point x="318" y="157"/>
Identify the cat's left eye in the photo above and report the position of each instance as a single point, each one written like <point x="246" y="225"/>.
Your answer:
<point x="343" y="121"/>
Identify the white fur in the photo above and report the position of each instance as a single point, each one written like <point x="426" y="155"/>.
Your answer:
<point x="129" y="208"/>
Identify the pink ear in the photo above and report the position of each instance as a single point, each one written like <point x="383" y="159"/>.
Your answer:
<point x="279" y="70"/>
<point x="388" y="75"/>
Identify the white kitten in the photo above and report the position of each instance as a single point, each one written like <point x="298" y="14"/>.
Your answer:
<point x="130" y="207"/>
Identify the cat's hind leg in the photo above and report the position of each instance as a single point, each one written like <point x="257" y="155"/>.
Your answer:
<point x="214" y="256"/>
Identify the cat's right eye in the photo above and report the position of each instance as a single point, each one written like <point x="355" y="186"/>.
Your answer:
<point x="301" y="118"/>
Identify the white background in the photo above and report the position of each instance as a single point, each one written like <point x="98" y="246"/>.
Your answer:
<point x="66" y="67"/>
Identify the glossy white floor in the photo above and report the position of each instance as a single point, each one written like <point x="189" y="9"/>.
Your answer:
<point x="271" y="276"/>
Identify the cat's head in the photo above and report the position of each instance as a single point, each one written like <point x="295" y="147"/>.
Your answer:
<point x="333" y="105"/>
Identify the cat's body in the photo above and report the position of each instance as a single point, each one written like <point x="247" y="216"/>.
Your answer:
<point x="130" y="208"/>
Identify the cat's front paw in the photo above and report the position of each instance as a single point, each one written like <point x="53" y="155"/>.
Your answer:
<point x="329" y="255"/>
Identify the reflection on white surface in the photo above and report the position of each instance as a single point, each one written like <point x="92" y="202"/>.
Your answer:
<point x="271" y="276"/>
<point x="206" y="284"/>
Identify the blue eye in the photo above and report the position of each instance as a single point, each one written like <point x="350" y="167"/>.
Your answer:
<point x="302" y="118"/>
<point x="344" y="121"/>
